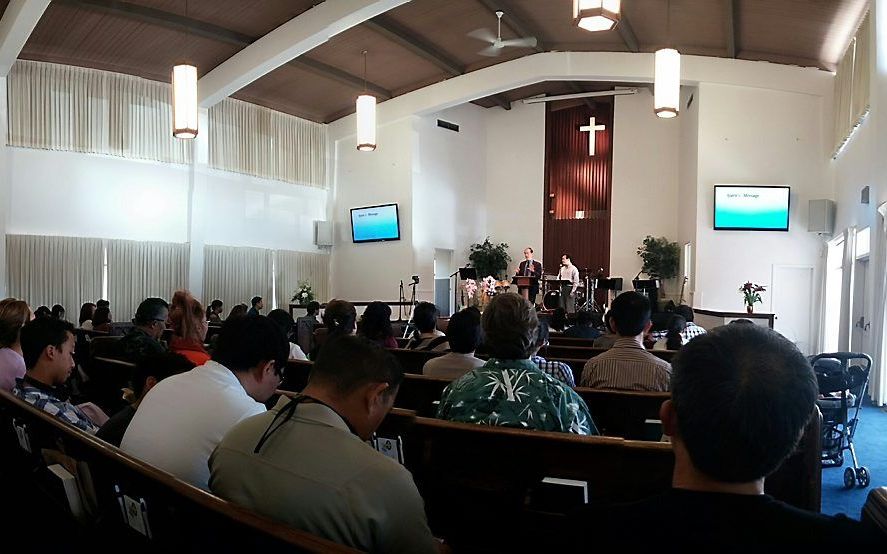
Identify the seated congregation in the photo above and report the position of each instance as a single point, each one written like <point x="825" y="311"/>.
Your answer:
<point x="210" y="411"/>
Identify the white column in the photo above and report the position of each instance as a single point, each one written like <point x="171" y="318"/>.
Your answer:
<point x="5" y="187"/>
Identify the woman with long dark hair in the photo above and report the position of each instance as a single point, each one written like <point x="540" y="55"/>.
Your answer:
<point x="375" y="325"/>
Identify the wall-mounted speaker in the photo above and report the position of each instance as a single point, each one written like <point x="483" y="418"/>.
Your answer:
<point x="822" y="217"/>
<point x="323" y="233"/>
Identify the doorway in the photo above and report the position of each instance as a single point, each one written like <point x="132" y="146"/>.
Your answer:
<point x="443" y="283"/>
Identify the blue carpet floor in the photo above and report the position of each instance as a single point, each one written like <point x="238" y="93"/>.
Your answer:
<point x="871" y="450"/>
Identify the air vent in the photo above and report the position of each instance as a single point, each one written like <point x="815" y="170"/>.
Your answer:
<point x="447" y="125"/>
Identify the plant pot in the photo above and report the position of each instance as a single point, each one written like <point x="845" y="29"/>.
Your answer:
<point x="750" y="309"/>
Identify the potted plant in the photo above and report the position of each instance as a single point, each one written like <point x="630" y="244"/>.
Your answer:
<point x="304" y="295"/>
<point x="751" y="293"/>
<point x="489" y="259"/>
<point x="661" y="257"/>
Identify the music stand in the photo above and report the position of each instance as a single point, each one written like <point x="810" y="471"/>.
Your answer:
<point x="650" y="289"/>
<point x="611" y="285"/>
<point x="466" y="273"/>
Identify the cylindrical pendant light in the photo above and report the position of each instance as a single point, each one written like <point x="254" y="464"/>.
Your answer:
<point x="596" y="15"/>
<point x="366" y="123"/>
<point x="366" y="115"/>
<point x="184" y="101"/>
<point x="667" y="83"/>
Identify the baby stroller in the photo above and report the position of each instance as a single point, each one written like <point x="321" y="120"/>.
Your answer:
<point x="843" y="378"/>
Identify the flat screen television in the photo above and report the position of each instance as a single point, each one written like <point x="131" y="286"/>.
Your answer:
<point x="375" y="223"/>
<point x="751" y="208"/>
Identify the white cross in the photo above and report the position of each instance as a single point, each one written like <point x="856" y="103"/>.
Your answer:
<point x="591" y="129"/>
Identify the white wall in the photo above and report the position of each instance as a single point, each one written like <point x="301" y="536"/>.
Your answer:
<point x="516" y="177"/>
<point x="756" y="136"/>
<point x="449" y="189"/>
<point x="645" y="180"/>
<point x="688" y="183"/>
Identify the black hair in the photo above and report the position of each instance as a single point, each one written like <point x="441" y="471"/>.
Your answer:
<point x="41" y="312"/>
<point x="685" y="311"/>
<point x="340" y="317"/>
<point x="530" y="248"/>
<point x="150" y="310"/>
<point x="239" y="310"/>
<point x="40" y="333"/>
<point x="463" y="331"/>
<point x="425" y="317"/>
<point x="509" y="324"/>
<point x="742" y="321"/>
<point x="102" y="303"/>
<point x="244" y="342"/>
<point x="567" y="256"/>
<point x="742" y="395"/>
<point x="283" y="320"/>
<point x="673" y="338"/>
<point x="158" y="366"/>
<point x="583" y="317"/>
<point x="631" y="313"/>
<point x="313" y="307"/>
<point x="375" y="323"/>
<point x="215" y="304"/>
<point x="255" y="300"/>
<point x="86" y="312"/>
<point x="101" y="316"/>
<point x="347" y="362"/>
<point x="58" y="311"/>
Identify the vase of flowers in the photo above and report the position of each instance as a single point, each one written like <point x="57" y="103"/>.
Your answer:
<point x="304" y="294"/>
<point x="751" y="293"/>
<point x="470" y="288"/>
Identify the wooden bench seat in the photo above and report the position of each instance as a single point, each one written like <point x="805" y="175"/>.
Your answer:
<point x="181" y="517"/>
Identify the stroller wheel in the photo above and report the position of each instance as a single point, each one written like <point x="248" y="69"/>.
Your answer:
<point x="862" y="476"/>
<point x="849" y="478"/>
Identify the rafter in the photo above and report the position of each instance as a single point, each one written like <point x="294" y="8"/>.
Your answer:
<point x="19" y="20"/>
<point x="405" y="38"/>
<point x="221" y="34"/>
<point x="626" y="32"/>
<point x="732" y="31"/>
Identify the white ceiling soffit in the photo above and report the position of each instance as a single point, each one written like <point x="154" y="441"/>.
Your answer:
<point x="613" y="67"/>
<point x="287" y="42"/>
<point x="19" y="20"/>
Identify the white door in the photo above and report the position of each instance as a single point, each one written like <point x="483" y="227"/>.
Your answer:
<point x="859" y="340"/>
<point x="792" y="295"/>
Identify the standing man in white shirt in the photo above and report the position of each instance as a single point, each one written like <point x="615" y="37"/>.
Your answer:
<point x="570" y="273"/>
<point x="183" y="418"/>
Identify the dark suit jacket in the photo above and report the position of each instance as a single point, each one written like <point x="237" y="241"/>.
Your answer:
<point x="535" y="271"/>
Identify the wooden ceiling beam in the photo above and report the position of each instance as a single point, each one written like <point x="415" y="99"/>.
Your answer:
<point x="19" y="20"/>
<point x="626" y="32"/>
<point x="409" y="40"/>
<point x="221" y="34"/>
<point x="732" y="31"/>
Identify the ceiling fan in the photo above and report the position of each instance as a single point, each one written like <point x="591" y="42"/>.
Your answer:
<point x="496" y="42"/>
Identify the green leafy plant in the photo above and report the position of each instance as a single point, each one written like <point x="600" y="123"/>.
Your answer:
<point x="489" y="259"/>
<point x="661" y="257"/>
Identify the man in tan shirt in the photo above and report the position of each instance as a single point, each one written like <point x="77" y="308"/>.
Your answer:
<point x="305" y="462"/>
<point x="627" y="365"/>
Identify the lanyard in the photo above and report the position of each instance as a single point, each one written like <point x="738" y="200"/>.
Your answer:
<point x="288" y="411"/>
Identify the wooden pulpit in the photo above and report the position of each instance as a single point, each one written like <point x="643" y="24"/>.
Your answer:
<point x="524" y="283"/>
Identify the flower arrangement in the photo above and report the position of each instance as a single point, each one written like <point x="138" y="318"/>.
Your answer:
<point x="304" y="294"/>
<point x="470" y="288"/>
<point x="751" y="293"/>
<point x="488" y="285"/>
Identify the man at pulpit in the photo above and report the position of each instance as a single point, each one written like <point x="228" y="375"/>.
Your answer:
<point x="530" y="268"/>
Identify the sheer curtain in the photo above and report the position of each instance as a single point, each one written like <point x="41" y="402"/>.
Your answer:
<point x="62" y="107"/>
<point x="55" y="270"/>
<point x="236" y="274"/>
<point x="878" y="385"/>
<point x="137" y="270"/>
<point x="293" y="267"/>
<point x="255" y="140"/>
<point x="852" y="89"/>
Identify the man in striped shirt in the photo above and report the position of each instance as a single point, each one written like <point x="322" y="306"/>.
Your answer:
<point x="627" y="365"/>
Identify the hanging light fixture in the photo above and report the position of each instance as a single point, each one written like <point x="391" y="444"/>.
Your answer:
<point x="667" y="77"/>
<point x="184" y="101"/>
<point x="596" y="15"/>
<point x="667" y="83"/>
<point x="366" y="115"/>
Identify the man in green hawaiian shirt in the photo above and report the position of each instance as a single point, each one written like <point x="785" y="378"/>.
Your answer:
<point x="510" y="390"/>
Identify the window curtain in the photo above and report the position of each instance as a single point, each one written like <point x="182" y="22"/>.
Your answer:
<point x="878" y="384"/>
<point x="235" y="274"/>
<point x="255" y="140"/>
<point x="55" y="270"/>
<point x="846" y="330"/>
<point x="293" y="267"/>
<point x="62" y="107"/>
<point x="138" y="270"/>
<point x="852" y="89"/>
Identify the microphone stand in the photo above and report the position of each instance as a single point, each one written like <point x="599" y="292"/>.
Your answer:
<point x="400" y="302"/>
<point x="455" y="293"/>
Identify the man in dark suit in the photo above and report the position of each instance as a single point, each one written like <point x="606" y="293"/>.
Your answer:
<point x="530" y="268"/>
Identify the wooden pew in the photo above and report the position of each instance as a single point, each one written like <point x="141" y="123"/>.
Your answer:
<point x="622" y="413"/>
<point x="419" y="392"/>
<point x="107" y="378"/>
<point x="586" y="353"/>
<point x="180" y="516"/>
<point x="560" y="340"/>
